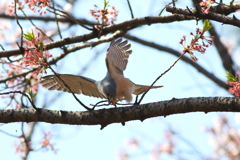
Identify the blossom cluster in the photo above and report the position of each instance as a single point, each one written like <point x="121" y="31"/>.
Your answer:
<point x="206" y="5"/>
<point x="11" y="7"/>
<point x="166" y="147"/>
<point x="41" y="5"/>
<point x="234" y="81"/>
<point x="235" y="88"/>
<point x="225" y="137"/>
<point x="104" y="16"/>
<point x="23" y="147"/>
<point x="35" y="54"/>
<point x="35" y="5"/>
<point x="195" y="45"/>
<point x="45" y="143"/>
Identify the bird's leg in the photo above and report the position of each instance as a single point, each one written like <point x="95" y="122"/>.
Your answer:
<point x="136" y="101"/>
<point x="98" y="103"/>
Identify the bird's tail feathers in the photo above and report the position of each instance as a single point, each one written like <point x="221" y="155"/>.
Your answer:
<point x="139" y="89"/>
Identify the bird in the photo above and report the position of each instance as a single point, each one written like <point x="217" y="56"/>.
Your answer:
<point x="114" y="86"/>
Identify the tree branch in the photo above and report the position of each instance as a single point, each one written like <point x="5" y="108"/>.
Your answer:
<point x="223" y="52"/>
<point x="212" y="16"/>
<point x="104" y="117"/>
<point x="129" y="24"/>
<point x="49" y="19"/>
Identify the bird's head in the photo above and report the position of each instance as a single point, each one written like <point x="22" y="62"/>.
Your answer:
<point x="108" y="88"/>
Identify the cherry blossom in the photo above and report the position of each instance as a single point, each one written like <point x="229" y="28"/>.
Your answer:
<point x="206" y="5"/>
<point x="104" y="16"/>
<point x="35" y="53"/>
<point x="35" y="5"/>
<point x="23" y="147"/>
<point x="195" y="45"/>
<point x="46" y="144"/>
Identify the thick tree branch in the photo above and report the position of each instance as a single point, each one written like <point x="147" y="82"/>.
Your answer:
<point x="212" y="16"/>
<point x="184" y="58"/>
<point x="104" y="117"/>
<point x="225" y="9"/>
<point x="221" y="9"/>
<point x="222" y="51"/>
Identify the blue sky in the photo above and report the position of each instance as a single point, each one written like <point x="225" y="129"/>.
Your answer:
<point x="145" y="64"/>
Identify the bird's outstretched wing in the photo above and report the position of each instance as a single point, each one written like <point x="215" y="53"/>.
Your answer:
<point x="78" y="84"/>
<point x="117" y="55"/>
<point x="139" y="89"/>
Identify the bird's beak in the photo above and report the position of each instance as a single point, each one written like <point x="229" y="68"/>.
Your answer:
<point x="112" y="100"/>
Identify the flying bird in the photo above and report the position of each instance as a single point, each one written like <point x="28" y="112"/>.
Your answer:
<point x="114" y="87"/>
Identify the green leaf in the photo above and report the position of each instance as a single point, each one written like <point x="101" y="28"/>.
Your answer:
<point x="230" y="77"/>
<point x="34" y="95"/>
<point x="28" y="35"/>
<point x="41" y="46"/>
<point x="206" y="24"/>
<point x="105" y="3"/>
<point x="31" y="94"/>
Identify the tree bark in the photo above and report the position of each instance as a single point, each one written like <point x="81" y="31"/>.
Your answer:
<point x="104" y="117"/>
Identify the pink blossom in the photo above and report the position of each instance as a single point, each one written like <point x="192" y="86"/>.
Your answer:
<point x="235" y="88"/>
<point x="46" y="144"/>
<point x="38" y="5"/>
<point x="122" y="155"/>
<point x="206" y="5"/>
<point x="195" y="45"/>
<point x="225" y="138"/>
<point x="36" y="56"/>
<point x="23" y="147"/>
<point x="112" y="14"/>
<point x="104" y="16"/>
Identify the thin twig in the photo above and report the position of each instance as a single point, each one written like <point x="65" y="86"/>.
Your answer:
<point x="166" y="6"/>
<point x="2" y="47"/>
<point x="97" y="104"/>
<point x="130" y="8"/>
<point x="15" y="10"/>
<point x="35" y="25"/>
<point x="159" y="78"/>
<point x="173" y="2"/>
<point x="58" y="28"/>
<point x="185" y="59"/>
<point x="24" y="94"/>
<point x="9" y="134"/>
<point x="68" y="16"/>
<point x="69" y="89"/>
<point x="107" y="104"/>
<point x="231" y="3"/>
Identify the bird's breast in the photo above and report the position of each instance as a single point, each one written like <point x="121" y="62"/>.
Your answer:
<point x="124" y="88"/>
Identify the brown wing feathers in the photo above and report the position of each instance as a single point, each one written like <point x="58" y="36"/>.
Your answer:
<point x="78" y="84"/>
<point x="117" y="54"/>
